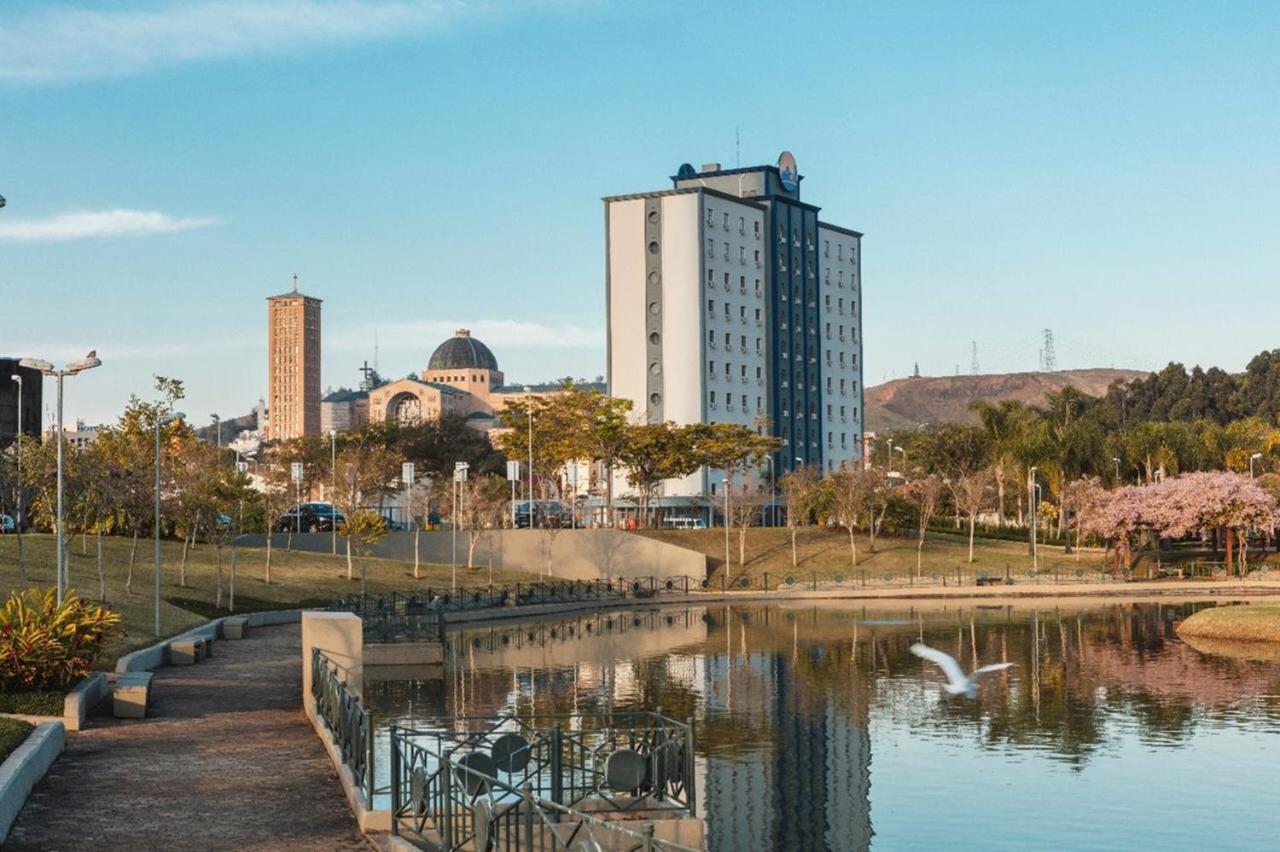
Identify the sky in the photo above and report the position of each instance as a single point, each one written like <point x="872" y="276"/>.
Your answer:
<point x="1105" y="170"/>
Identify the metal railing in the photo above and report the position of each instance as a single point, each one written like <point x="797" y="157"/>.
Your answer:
<point x="350" y="723"/>
<point x="542" y="783"/>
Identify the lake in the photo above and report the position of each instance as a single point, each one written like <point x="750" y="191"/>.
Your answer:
<point x="818" y="729"/>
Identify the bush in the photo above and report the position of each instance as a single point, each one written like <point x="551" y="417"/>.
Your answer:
<point x="47" y="646"/>
<point x="13" y="733"/>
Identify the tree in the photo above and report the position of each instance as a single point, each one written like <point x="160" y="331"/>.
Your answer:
<point x="366" y="472"/>
<point x="925" y="493"/>
<point x="1082" y="497"/>
<point x="851" y="493"/>
<point x="747" y="500"/>
<point x="363" y="528"/>
<point x="225" y="490"/>
<point x="652" y="452"/>
<point x="799" y="493"/>
<point x="970" y="493"/>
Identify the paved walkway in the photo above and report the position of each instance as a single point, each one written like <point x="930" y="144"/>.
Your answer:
<point x="226" y="760"/>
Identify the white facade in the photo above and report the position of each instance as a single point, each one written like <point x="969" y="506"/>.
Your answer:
<point x="840" y="340"/>
<point x="709" y="323"/>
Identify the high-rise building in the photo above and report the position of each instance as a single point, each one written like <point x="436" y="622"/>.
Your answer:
<point x="730" y="301"/>
<point x="19" y="383"/>
<point x="293" y="365"/>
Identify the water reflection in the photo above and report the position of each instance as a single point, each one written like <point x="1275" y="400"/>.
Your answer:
<point x="799" y="709"/>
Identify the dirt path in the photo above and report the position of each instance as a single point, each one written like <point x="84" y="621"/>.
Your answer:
<point x="225" y="760"/>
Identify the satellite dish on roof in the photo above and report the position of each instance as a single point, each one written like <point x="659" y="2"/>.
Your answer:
<point x="787" y="171"/>
<point x="686" y="171"/>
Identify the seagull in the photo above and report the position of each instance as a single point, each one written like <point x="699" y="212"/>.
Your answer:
<point x="958" y="683"/>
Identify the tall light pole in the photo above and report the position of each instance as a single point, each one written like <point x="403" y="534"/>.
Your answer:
<point x="1116" y="459"/>
<point x="459" y="478"/>
<point x="528" y="401"/>
<point x="160" y="422"/>
<point x="726" y="528"/>
<point x="1031" y="517"/>
<point x="88" y="362"/>
<point x="22" y="565"/>
<point x="1252" y="459"/>
<point x="333" y="488"/>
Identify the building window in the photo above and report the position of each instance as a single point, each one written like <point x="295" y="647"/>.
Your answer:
<point x="711" y="278"/>
<point x="742" y="254"/>
<point x="839" y="251"/>
<point x="728" y="340"/>
<point x="726" y="251"/>
<point x="742" y="313"/>
<point x="742" y="284"/>
<point x="742" y="225"/>
<point x="842" y="387"/>
<point x="711" y="247"/>
<point x="726" y="221"/>
<point x="757" y="258"/>
<point x="711" y="306"/>
<point x="726" y="281"/>
<point x="711" y="397"/>
<point x="711" y="339"/>
<point x="841" y="279"/>
<point x="827" y="301"/>
<point x="826" y="248"/>
<point x="711" y="218"/>
<point x="759" y="289"/>
<point x="727" y="315"/>
<point x="757" y="227"/>
<point x="728" y="369"/>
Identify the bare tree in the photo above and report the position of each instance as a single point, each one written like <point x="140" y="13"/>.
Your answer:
<point x="748" y="499"/>
<point x="799" y="492"/>
<point x="927" y="492"/>
<point x="851" y="494"/>
<point x="971" y="492"/>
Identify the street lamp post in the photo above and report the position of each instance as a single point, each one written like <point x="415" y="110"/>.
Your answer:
<point x="88" y="362"/>
<point x="333" y="488"/>
<point x="459" y="477"/>
<point x="726" y="527"/>
<point x="22" y="565"/>
<point x="160" y="422"/>
<point x="1031" y="516"/>
<point x="1252" y="459"/>
<point x="1116" y="459"/>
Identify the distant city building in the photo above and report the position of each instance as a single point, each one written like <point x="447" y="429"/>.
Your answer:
<point x="32" y="400"/>
<point x="730" y="301"/>
<point x="343" y="410"/>
<point x="462" y="377"/>
<point x="293" y="365"/>
<point x="78" y="437"/>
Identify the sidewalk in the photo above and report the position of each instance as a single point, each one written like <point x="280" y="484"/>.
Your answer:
<point x="225" y="760"/>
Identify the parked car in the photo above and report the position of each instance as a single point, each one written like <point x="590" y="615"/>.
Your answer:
<point x="310" y="517"/>
<point x="545" y="513"/>
<point x="685" y="523"/>
<point x="7" y="524"/>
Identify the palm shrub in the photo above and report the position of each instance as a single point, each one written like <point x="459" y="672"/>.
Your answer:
<point x="47" y="645"/>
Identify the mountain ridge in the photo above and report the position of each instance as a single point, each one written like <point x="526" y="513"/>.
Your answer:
<point x="914" y="402"/>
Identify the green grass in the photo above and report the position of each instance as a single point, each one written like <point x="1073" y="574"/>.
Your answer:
<point x="1244" y="623"/>
<point x="298" y="579"/>
<point x="41" y="703"/>
<point x="13" y="733"/>
<point x="826" y="553"/>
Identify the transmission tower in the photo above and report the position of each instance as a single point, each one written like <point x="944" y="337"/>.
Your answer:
<point x="973" y="364"/>
<point x="1049" y="360"/>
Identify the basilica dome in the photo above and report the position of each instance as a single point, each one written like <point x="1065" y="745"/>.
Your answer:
<point x="462" y="352"/>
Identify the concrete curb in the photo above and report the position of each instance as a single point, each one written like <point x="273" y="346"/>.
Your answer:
<point x="157" y="655"/>
<point x="82" y="698"/>
<point x="24" y="768"/>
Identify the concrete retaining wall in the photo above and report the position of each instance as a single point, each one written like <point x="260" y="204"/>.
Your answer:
<point x="574" y="554"/>
<point x="157" y="655"/>
<point x="24" y="768"/>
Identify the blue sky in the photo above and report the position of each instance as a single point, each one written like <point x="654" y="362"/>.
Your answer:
<point x="1107" y="170"/>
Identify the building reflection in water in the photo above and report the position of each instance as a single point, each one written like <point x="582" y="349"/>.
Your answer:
<point x="784" y="698"/>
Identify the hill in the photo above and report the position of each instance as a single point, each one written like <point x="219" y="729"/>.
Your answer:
<point x="930" y="400"/>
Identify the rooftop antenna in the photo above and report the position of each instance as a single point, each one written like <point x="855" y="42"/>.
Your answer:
<point x="1048" y="356"/>
<point x="737" y="147"/>
<point x="973" y="365"/>
<point x="295" y="282"/>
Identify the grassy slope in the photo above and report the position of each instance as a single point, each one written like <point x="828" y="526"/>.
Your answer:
<point x="826" y="553"/>
<point x="1252" y="623"/>
<point x="298" y="578"/>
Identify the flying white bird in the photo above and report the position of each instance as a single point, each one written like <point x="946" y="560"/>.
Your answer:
<point x="958" y="683"/>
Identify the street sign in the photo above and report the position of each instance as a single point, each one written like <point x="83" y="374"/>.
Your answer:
<point x="406" y="473"/>
<point x="295" y="472"/>
<point x="459" y="474"/>
<point x="513" y="471"/>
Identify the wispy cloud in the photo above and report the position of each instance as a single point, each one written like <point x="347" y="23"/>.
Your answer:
<point x="500" y="334"/>
<point x="97" y="223"/>
<point x="78" y="42"/>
